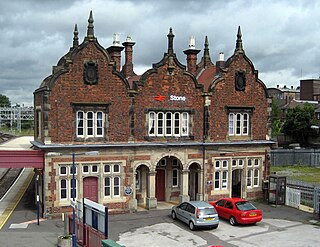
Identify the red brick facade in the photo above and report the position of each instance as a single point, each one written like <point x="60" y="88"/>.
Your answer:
<point x="191" y="134"/>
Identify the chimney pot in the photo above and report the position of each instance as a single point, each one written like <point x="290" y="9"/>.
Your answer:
<point x="192" y="42"/>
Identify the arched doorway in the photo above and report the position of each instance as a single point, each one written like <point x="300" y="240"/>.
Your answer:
<point x="90" y="188"/>
<point x="193" y="187"/>
<point x="141" y="177"/>
<point x="236" y="183"/>
<point x="168" y="179"/>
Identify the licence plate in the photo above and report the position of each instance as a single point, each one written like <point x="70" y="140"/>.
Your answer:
<point x="253" y="214"/>
<point x="209" y="219"/>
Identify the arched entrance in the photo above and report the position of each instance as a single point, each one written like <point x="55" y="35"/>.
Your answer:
<point x="142" y="184"/>
<point x="90" y="188"/>
<point x="193" y="187"/>
<point x="236" y="183"/>
<point x="168" y="179"/>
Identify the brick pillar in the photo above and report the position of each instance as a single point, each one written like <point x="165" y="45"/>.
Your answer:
<point x="191" y="60"/>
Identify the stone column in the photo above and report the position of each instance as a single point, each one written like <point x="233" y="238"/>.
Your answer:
<point x="151" y="199"/>
<point x="200" y="185"/>
<point x="184" y="195"/>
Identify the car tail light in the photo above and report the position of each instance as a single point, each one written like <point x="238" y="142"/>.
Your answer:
<point x="197" y="212"/>
<point x="243" y="214"/>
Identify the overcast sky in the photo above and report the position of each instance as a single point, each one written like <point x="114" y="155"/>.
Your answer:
<point x="281" y="37"/>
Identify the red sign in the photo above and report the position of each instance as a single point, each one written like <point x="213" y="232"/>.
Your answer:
<point x="160" y="97"/>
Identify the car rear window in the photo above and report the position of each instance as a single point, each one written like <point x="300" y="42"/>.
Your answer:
<point x="207" y="211"/>
<point x="244" y="206"/>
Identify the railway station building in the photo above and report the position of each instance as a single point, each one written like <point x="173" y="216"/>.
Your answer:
<point x="176" y="133"/>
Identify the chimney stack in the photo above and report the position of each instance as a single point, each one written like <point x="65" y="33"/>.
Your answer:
<point x="115" y="51"/>
<point x="220" y="62"/>
<point x="192" y="56"/>
<point x="127" y="68"/>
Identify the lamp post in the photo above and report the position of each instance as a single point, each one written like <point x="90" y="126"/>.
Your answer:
<point x="73" y="194"/>
<point x="74" y="238"/>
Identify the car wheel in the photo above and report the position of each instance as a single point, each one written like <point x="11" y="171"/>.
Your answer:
<point x="173" y="215"/>
<point x="191" y="226"/>
<point x="232" y="221"/>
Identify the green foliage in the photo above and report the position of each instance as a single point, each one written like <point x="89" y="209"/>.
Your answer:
<point x="276" y="128"/>
<point x="299" y="121"/>
<point x="4" y="101"/>
<point x="276" y="123"/>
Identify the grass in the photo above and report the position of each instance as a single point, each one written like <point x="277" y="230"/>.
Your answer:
<point x="303" y="173"/>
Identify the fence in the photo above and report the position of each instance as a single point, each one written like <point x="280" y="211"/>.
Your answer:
<point x="86" y="235"/>
<point x="300" y="193"/>
<point x="305" y="157"/>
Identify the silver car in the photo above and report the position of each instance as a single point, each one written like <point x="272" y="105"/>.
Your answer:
<point x="196" y="214"/>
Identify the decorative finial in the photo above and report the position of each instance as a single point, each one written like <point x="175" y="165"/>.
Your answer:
<point x="206" y="54"/>
<point x="170" y="41"/>
<point x="90" y="32"/>
<point x="75" y="36"/>
<point x="239" y="48"/>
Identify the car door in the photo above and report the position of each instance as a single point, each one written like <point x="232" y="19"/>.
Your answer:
<point x="181" y="211"/>
<point x="228" y="210"/>
<point x="220" y="208"/>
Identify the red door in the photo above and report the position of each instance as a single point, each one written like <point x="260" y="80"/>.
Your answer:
<point x="160" y="188"/>
<point x="90" y="188"/>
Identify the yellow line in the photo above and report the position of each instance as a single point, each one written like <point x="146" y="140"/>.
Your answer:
<point x="13" y="204"/>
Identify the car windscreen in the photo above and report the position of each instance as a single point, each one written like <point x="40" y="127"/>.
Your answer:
<point x="244" y="206"/>
<point x="206" y="211"/>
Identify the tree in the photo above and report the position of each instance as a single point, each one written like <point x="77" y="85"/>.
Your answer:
<point x="276" y="123"/>
<point x="4" y="101"/>
<point x="299" y="121"/>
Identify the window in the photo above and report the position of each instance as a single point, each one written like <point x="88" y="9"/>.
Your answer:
<point x="224" y="179"/>
<point x="249" y="178"/>
<point x="94" y="169"/>
<point x="116" y="168"/>
<point x="107" y="184"/>
<point x="112" y="183"/>
<point x="256" y="162"/>
<point x="217" y="180"/>
<point x="221" y="175"/>
<point x="256" y="178"/>
<point x="175" y="177"/>
<point x="85" y="169"/>
<point x="73" y="188"/>
<point x="71" y="170"/>
<point x="63" y="170"/>
<point x="238" y="124"/>
<point x="116" y="186"/>
<point x="249" y="162"/>
<point x="90" y="124"/>
<point x="175" y="124"/>
<point x="106" y="168"/>
<point x="63" y="189"/>
<point x="137" y="180"/>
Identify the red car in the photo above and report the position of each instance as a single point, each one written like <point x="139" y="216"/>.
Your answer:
<point x="237" y="211"/>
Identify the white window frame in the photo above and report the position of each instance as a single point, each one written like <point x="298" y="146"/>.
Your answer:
<point x="175" y="176"/>
<point x="64" y="189"/>
<point x="63" y="174"/>
<point x="94" y="165"/>
<point x="104" y="170"/>
<point x="217" y="180"/>
<point x="85" y="172"/>
<point x="76" y="188"/>
<point x="107" y="186"/>
<point x="138" y="180"/>
<point x="152" y="123"/>
<point x="256" y="177"/>
<point x="224" y="179"/>
<point x="239" y="123"/>
<point x="116" y="186"/>
<point x="90" y="121"/>
<point x="113" y="168"/>
<point x="174" y="124"/>
<point x="249" y="178"/>
<point x="70" y="169"/>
